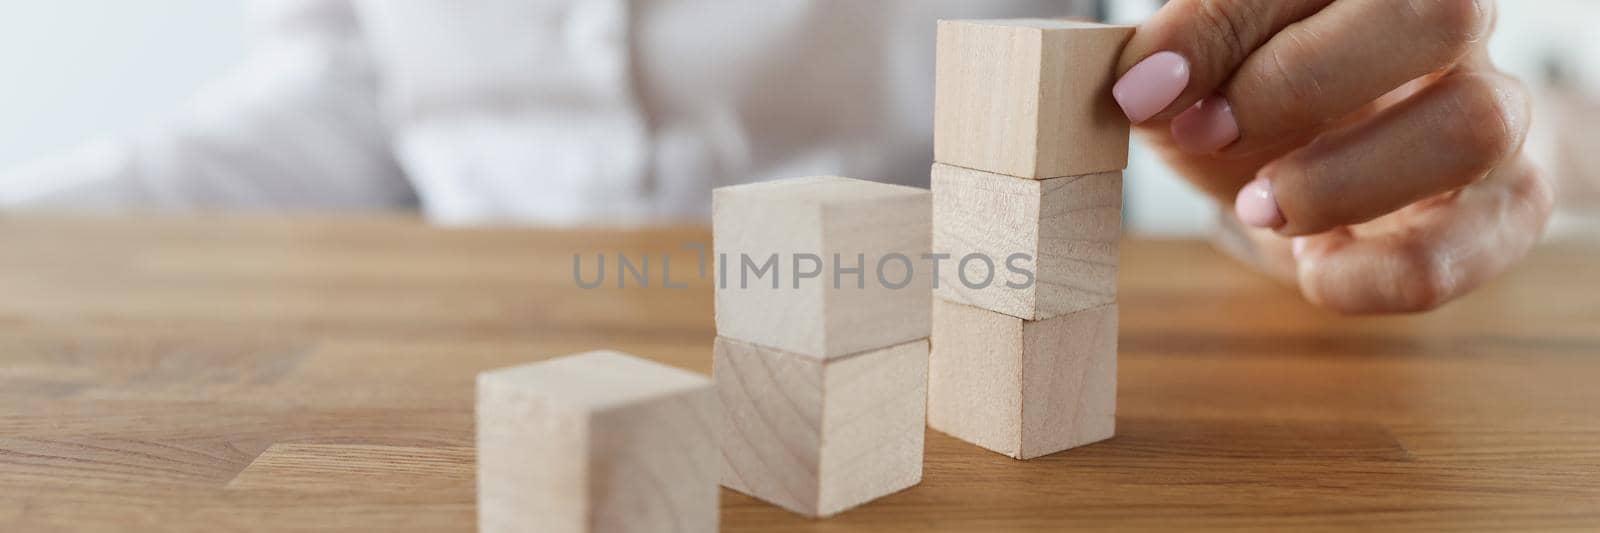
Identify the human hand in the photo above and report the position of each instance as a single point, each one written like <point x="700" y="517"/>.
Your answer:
<point x="1371" y="137"/>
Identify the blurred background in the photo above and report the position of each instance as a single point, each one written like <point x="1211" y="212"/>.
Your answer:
<point x="88" y="78"/>
<point x="84" y="70"/>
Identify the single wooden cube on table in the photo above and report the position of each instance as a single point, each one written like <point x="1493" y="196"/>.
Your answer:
<point x="597" y="442"/>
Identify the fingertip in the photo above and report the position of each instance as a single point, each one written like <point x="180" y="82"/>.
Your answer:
<point x="1206" y="128"/>
<point x="1151" y="86"/>
<point x="1257" y="205"/>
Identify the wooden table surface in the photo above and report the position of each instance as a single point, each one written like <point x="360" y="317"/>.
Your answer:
<point x="264" y="374"/>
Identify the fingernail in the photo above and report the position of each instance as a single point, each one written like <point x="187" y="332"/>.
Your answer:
<point x="1206" y="128"/>
<point x="1256" y="206"/>
<point x="1298" y="247"/>
<point x="1151" y="85"/>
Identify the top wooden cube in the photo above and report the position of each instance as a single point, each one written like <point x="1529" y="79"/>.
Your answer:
<point x="1029" y="98"/>
<point x="823" y="266"/>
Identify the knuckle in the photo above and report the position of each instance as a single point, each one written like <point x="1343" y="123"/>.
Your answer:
<point x="1423" y="279"/>
<point x="1295" y="79"/>
<point x="1459" y="24"/>
<point x="1227" y="23"/>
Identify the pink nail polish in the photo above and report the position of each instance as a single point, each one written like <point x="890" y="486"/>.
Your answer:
<point x="1256" y="205"/>
<point x="1151" y="85"/>
<point x="1206" y="128"/>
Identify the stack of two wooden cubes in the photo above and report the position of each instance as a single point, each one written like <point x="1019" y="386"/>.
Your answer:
<point x="1027" y="192"/>
<point x="821" y="356"/>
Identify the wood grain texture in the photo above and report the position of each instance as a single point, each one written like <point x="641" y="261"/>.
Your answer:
<point x="820" y="437"/>
<point x="596" y="442"/>
<point x="1069" y="229"/>
<point x="1029" y="98"/>
<point x="850" y="223"/>
<point x="147" y="362"/>
<point x="1023" y="388"/>
<point x="345" y="467"/>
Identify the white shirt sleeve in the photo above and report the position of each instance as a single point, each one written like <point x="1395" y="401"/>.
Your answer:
<point x="297" y="126"/>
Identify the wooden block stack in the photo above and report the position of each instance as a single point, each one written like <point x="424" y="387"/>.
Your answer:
<point x="821" y="363"/>
<point x="1030" y="149"/>
<point x="599" y="441"/>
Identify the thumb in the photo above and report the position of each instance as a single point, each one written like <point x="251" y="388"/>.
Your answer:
<point x="1189" y="48"/>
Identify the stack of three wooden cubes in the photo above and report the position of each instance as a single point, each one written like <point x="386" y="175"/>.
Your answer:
<point x="1027" y="188"/>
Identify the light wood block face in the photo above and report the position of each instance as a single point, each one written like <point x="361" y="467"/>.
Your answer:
<point x="819" y="437"/>
<point x="864" y="224"/>
<point x="1070" y="227"/>
<point x="1030" y="97"/>
<point x="1023" y="388"/>
<point x="596" y="442"/>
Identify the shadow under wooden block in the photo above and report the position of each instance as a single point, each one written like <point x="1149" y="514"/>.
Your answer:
<point x="1023" y="388"/>
<point x="1070" y="228"/>
<point x="818" y="437"/>
<point x="862" y="243"/>
<point x="1029" y="97"/>
<point x="599" y="441"/>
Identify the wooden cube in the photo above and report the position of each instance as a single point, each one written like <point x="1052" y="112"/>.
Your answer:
<point x="599" y="441"/>
<point x="1030" y="97"/>
<point x="819" y="437"/>
<point x="1023" y="388"/>
<point x="882" y="229"/>
<point x="1068" y="228"/>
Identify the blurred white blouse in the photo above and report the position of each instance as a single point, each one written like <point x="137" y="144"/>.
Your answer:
<point x="544" y="110"/>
